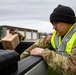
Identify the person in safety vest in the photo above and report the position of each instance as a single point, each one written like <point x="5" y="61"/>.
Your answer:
<point x="59" y="52"/>
<point x="21" y="37"/>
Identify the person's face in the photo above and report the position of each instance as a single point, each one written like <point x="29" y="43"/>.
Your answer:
<point x="11" y="32"/>
<point x="61" y="28"/>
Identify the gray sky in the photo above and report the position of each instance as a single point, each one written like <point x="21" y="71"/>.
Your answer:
<point x="30" y="13"/>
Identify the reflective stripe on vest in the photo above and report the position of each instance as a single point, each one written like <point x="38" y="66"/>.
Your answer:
<point x="64" y="47"/>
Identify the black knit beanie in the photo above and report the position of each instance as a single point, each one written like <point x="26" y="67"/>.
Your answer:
<point x="63" y="14"/>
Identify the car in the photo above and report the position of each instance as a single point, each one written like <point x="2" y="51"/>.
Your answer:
<point x="30" y="65"/>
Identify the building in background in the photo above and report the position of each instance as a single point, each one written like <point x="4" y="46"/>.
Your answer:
<point x="29" y="33"/>
<point x="41" y="35"/>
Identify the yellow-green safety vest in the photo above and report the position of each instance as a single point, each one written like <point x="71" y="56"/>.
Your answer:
<point x="64" y="46"/>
